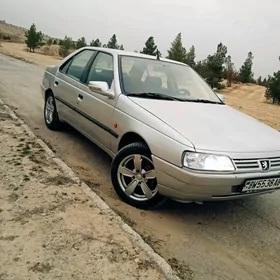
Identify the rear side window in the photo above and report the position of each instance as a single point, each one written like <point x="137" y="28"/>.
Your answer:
<point x="75" y="67"/>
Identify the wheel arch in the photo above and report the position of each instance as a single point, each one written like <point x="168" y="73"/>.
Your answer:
<point x="131" y="137"/>
<point x="47" y="92"/>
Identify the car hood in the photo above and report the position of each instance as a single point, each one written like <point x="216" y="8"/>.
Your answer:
<point x="214" y="127"/>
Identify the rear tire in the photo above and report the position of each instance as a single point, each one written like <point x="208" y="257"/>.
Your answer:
<point x="50" y="113"/>
<point x="133" y="177"/>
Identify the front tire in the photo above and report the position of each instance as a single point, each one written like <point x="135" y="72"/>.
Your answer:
<point x="134" y="178"/>
<point x="50" y="113"/>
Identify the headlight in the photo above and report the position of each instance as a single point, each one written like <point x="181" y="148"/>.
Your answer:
<point x="207" y="162"/>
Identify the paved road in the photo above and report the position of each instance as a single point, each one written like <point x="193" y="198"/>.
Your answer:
<point x="229" y="241"/>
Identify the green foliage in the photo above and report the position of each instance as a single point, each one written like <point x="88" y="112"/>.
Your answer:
<point x="229" y="70"/>
<point x="245" y="72"/>
<point x="81" y="43"/>
<point x="33" y="38"/>
<point x="273" y="88"/>
<point x="95" y="43"/>
<point x="65" y="47"/>
<point x="73" y="45"/>
<point x="190" y="59"/>
<point x="213" y="66"/>
<point x="113" y="43"/>
<point x="54" y="42"/>
<point x="150" y="47"/>
<point x="177" y="51"/>
<point x="259" y="80"/>
<point x="50" y="42"/>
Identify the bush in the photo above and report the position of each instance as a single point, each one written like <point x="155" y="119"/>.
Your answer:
<point x="65" y="47"/>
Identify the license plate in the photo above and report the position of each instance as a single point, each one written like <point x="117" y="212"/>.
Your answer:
<point x="261" y="184"/>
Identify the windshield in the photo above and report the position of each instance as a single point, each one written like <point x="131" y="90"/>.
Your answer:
<point x="142" y="75"/>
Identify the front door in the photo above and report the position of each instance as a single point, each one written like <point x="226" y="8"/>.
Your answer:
<point x="99" y="109"/>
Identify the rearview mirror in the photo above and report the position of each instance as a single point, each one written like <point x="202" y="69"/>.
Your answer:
<point x="101" y="88"/>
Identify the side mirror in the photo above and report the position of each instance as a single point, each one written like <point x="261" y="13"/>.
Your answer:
<point x="221" y="96"/>
<point x="101" y="88"/>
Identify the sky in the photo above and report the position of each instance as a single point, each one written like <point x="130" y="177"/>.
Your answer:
<point x="242" y="25"/>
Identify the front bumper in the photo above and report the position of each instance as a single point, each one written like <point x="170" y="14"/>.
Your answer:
<point x="184" y="185"/>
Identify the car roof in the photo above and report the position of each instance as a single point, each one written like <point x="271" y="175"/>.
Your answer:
<point x="134" y="54"/>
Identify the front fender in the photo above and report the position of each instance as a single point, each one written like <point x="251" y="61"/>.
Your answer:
<point x="163" y="141"/>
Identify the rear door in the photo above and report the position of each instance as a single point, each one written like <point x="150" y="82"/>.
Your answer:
<point x="68" y="86"/>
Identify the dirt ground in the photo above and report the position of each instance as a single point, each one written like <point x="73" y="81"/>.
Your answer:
<point x="19" y="51"/>
<point x="49" y="229"/>
<point x="250" y="99"/>
<point x="233" y="240"/>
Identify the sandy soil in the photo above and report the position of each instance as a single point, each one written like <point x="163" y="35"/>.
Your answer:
<point x="250" y="99"/>
<point x="19" y="51"/>
<point x="16" y="33"/>
<point x="234" y="240"/>
<point x="49" y="229"/>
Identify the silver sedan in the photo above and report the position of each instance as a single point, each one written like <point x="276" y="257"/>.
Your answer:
<point x="168" y="133"/>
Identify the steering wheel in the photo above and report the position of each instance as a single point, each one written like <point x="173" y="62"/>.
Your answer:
<point x="184" y="92"/>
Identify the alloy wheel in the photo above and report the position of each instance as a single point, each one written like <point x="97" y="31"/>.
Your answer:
<point x="137" y="177"/>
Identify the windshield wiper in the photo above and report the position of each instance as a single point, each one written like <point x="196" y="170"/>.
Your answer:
<point x="206" y="101"/>
<point x="154" y="95"/>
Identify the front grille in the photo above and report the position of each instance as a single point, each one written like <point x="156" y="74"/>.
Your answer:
<point x="253" y="165"/>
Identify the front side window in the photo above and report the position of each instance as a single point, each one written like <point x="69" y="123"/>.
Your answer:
<point x="102" y="69"/>
<point x="141" y="75"/>
<point x="78" y="64"/>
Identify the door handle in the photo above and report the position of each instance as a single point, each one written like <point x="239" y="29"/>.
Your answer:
<point x="56" y="83"/>
<point x="80" y="97"/>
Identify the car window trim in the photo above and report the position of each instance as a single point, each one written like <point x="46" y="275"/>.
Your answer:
<point x="92" y="62"/>
<point x="71" y="61"/>
<point x="87" y="68"/>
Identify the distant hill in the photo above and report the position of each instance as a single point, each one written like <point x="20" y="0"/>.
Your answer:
<point x="16" y="33"/>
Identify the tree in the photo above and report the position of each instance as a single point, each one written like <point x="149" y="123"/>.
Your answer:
<point x="214" y="67"/>
<point x="33" y="38"/>
<point x="229" y="70"/>
<point x="50" y="42"/>
<point x="273" y="88"/>
<point x="190" y="60"/>
<point x="245" y="72"/>
<point x="177" y="51"/>
<point x="65" y="47"/>
<point x="259" y="80"/>
<point x="150" y="47"/>
<point x="113" y="44"/>
<point x="54" y="42"/>
<point x="74" y="45"/>
<point x="95" y="43"/>
<point x="81" y="43"/>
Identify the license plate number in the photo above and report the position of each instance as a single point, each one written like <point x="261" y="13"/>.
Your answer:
<point x="261" y="184"/>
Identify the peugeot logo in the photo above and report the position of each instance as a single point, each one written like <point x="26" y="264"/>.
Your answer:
<point x="265" y="164"/>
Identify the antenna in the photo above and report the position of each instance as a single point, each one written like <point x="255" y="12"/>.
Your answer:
<point x="158" y="54"/>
